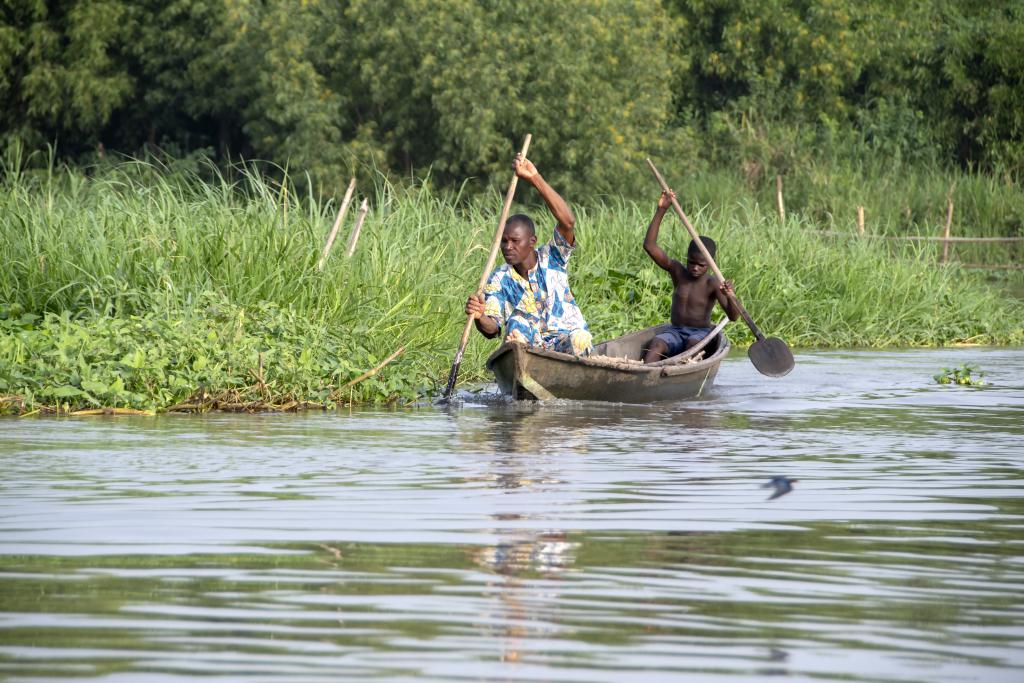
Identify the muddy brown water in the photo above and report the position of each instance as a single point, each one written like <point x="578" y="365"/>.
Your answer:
<point x="509" y="542"/>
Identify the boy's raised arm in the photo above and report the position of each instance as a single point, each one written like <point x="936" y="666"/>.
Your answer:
<point x="559" y="209"/>
<point x="656" y="253"/>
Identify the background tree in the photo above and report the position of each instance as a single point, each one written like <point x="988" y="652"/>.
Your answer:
<point x="333" y="87"/>
<point x="455" y="86"/>
<point x="62" y="70"/>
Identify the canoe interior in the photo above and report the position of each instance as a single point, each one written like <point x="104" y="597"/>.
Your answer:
<point x="634" y="346"/>
<point x="606" y="375"/>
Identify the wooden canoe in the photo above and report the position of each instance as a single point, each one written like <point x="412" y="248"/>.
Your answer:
<point x="606" y="375"/>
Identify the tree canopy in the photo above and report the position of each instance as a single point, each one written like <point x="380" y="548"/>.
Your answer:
<point x="411" y="86"/>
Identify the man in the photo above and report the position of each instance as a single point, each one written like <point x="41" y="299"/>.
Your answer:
<point x="529" y="296"/>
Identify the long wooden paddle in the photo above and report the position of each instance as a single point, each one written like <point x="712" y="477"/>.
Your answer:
<point x="769" y="355"/>
<point x="454" y="374"/>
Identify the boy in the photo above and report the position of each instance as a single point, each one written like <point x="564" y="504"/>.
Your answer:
<point x="695" y="293"/>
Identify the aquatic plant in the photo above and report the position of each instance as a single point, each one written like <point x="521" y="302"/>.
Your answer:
<point x="214" y="355"/>
<point x="966" y="375"/>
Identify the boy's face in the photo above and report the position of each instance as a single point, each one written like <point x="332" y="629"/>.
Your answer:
<point x="696" y="264"/>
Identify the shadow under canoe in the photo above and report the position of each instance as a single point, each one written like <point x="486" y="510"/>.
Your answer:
<point x="607" y="375"/>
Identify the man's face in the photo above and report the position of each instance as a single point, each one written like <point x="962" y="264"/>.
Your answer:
<point x="517" y="244"/>
<point x="696" y="264"/>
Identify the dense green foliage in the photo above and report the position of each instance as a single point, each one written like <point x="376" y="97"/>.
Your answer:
<point x="161" y="358"/>
<point x="135" y="287"/>
<point x="333" y="86"/>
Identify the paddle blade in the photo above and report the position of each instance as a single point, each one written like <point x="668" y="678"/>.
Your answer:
<point x="771" y="357"/>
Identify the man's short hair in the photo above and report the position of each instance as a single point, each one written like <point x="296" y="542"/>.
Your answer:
<point x="523" y="220"/>
<point x="709" y="244"/>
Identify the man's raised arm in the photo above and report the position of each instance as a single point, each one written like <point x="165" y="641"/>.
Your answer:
<point x="559" y="209"/>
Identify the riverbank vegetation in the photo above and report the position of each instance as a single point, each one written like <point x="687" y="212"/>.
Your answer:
<point x="140" y="287"/>
<point x="189" y="279"/>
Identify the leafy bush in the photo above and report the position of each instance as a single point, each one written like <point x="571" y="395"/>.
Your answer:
<point x="159" y="359"/>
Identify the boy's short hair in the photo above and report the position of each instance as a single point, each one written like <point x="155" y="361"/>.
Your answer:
<point x="523" y="220"/>
<point x="709" y="244"/>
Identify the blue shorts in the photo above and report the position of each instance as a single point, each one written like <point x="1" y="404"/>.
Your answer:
<point x="676" y="337"/>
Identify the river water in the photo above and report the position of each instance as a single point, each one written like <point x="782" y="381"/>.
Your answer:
<point x="510" y="542"/>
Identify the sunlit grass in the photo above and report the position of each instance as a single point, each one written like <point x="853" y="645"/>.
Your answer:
<point x="136" y="241"/>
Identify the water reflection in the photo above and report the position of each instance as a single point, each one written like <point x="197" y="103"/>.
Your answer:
<point x="527" y="428"/>
<point x="517" y="433"/>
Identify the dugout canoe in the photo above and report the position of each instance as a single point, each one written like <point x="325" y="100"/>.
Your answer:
<point x="607" y="374"/>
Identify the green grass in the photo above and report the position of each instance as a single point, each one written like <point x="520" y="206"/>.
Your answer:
<point x="135" y="286"/>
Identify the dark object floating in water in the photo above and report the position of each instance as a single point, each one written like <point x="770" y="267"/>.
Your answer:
<point x="782" y="486"/>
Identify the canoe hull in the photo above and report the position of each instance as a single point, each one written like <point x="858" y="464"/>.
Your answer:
<point x="529" y="373"/>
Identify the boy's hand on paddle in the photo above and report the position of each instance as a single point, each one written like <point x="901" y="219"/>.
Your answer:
<point x="475" y="306"/>
<point x="726" y="288"/>
<point x="665" y="200"/>
<point x="524" y="167"/>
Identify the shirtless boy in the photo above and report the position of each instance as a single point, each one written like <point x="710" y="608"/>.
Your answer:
<point x="695" y="291"/>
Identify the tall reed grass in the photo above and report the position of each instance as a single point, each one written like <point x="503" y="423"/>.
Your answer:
<point x="134" y="242"/>
<point x="898" y="200"/>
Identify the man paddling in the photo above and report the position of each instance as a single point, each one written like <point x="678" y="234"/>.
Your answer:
<point x="529" y="296"/>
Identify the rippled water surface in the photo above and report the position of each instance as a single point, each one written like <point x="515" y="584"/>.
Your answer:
<point x="563" y="542"/>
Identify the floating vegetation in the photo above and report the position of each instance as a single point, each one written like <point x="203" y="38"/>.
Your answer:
<point x="966" y="375"/>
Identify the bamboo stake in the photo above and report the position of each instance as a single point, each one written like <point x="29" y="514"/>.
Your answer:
<point x="284" y="205"/>
<point x="370" y="373"/>
<point x="994" y="266"/>
<point x="778" y="199"/>
<point x="926" y="238"/>
<point x="337" y="223"/>
<point x="354" y="237"/>
<point x="860" y="221"/>
<point x="949" y="225"/>
<point x="111" y="411"/>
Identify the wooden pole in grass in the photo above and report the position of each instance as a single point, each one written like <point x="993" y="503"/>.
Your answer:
<point x="337" y="223"/>
<point x="370" y="373"/>
<point x="860" y="220"/>
<point x="778" y="199"/>
<point x="354" y="237"/>
<point x="454" y="374"/>
<point x="284" y="203"/>
<point x="949" y="225"/>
